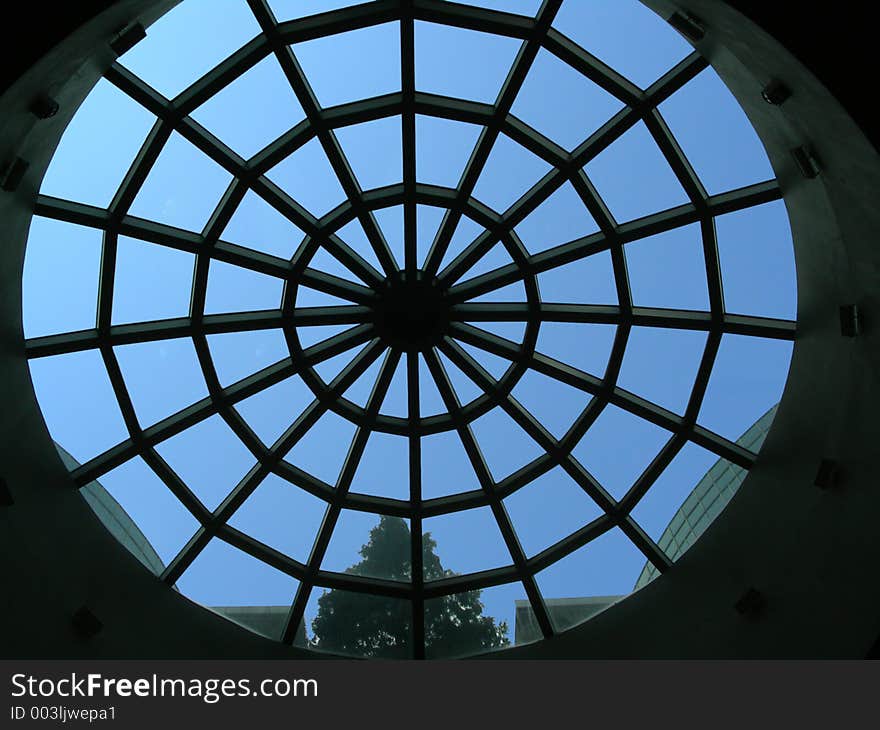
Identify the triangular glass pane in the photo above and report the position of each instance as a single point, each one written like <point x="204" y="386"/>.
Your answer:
<point x="272" y="109"/>
<point x="669" y="270"/>
<point x="559" y="219"/>
<point x="588" y="280"/>
<point x="503" y="443"/>
<point x="165" y="525"/>
<point x="520" y="7"/>
<point x="494" y="365"/>
<point x="273" y="410"/>
<point x="355" y="65"/>
<point x="374" y="151"/>
<point x="61" y="261"/>
<point x="195" y="53"/>
<point x="152" y="282"/>
<point x="554" y="404"/>
<point x="321" y="451"/>
<point x="515" y="292"/>
<point x="549" y="509"/>
<point x="466" y="542"/>
<point x="183" y="188"/>
<point x="446" y="468"/>
<point x="661" y="365"/>
<point x="706" y="103"/>
<point x="324" y="261"/>
<point x="162" y="377"/>
<point x="353" y="234"/>
<point x="330" y="369"/>
<point x="633" y="177"/>
<point x="390" y="221"/>
<point x="465" y="233"/>
<point x="584" y="346"/>
<point x="384" y="467"/>
<point x="359" y="392"/>
<point x="396" y="401"/>
<point x="209" y="458"/>
<point x="513" y="331"/>
<point x="308" y="297"/>
<point x="495" y="258"/>
<point x="443" y="148"/>
<point x="237" y="355"/>
<point x="757" y="261"/>
<point x="291" y="9"/>
<point x="309" y="336"/>
<point x="308" y="178"/>
<point x="69" y="386"/>
<point x="510" y="171"/>
<point x="430" y="400"/>
<point x="462" y="63"/>
<point x="464" y="387"/>
<point x="748" y="378"/>
<point x="616" y="431"/>
<point x="97" y="147"/>
<point x="240" y="588"/>
<point x="257" y="225"/>
<point x="428" y="219"/>
<point x="370" y="545"/>
<point x="235" y="289"/>
<point x="585" y="108"/>
<point x="610" y="31"/>
<point x="282" y="516"/>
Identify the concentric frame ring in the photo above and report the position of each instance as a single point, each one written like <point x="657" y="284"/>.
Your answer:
<point x="250" y="175"/>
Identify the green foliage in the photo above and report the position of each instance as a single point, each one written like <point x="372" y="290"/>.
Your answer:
<point x="376" y="626"/>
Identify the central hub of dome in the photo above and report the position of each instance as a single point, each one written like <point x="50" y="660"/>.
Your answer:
<point x="412" y="312"/>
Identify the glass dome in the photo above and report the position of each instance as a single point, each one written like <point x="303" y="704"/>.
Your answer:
<point x="406" y="328"/>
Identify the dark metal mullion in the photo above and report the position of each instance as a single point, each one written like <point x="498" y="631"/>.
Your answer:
<point x="487" y="484"/>
<point x="408" y="137"/>
<point x="349" y="467"/>
<point x="415" y="498"/>
<point x="506" y="97"/>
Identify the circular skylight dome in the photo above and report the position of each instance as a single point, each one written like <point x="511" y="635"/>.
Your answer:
<point x="409" y="328"/>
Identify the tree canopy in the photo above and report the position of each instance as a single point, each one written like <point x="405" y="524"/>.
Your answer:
<point x="377" y="626"/>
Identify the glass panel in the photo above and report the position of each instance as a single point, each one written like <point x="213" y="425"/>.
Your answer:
<point x="183" y="201"/>
<point x="396" y="402"/>
<point x="585" y="108"/>
<point x="97" y="147"/>
<point x="511" y="293"/>
<point x="240" y="587"/>
<point x="384" y="467"/>
<point x="669" y="270"/>
<point x="430" y="400"/>
<point x="554" y="404"/>
<point x="716" y="135"/>
<point x="209" y="458"/>
<point x="510" y="171"/>
<point x="370" y="545"/>
<point x="365" y="63"/>
<point x="257" y="225"/>
<point x="548" y="509"/>
<point x="273" y="410"/>
<point x="443" y="148"/>
<point x="471" y="623"/>
<point x="463" y="542"/>
<point x="234" y="289"/>
<point x="559" y="219"/>
<point x="307" y="177"/>
<point x="70" y="386"/>
<point x="290" y="9"/>
<point x="321" y="452"/>
<point x="219" y="35"/>
<point x="282" y="516"/>
<point x="467" y="64"/>
<point x="618" y="448"/>
<point x="464" y="387"/>
<point x="308" y="297"/>
<point x="584" y="346"/>
<point x="355" y="236"/>
<point x="428" y="219"/>
<point x="61" y="265"/>
<point x="309" y="336"/>
<point x="513" y="331"/>
<point x="520" y="7"/>
<point x="390" y="221"/>
<point x="144" y="269"/>
<point x="142" y="513"/>
<point x="328" y="370"/>
<point x="360" y="390"/>
<point x="611" y="31"/>
<point x="760" y="234"/>
<point x="237" y="355"/>
<point x="446" y="468"/>
<point x="748" y="378"/>
<point x="494" y="258"/>
<point x="493" y="364"/>
<point x="374" y="151"/>
<point x="661" y="365"/>
<point x="161" y="377"/>
<point x="586" y="281"/>
<point x="633" y="177"/>
<point x="465" y="232"/>
<point x="505" y="446"/>
<point x="323" y="260"/>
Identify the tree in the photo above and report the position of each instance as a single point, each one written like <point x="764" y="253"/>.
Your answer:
<point x="378" y="626"/>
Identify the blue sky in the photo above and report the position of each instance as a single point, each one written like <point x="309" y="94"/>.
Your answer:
<point x="153" y="282"/>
